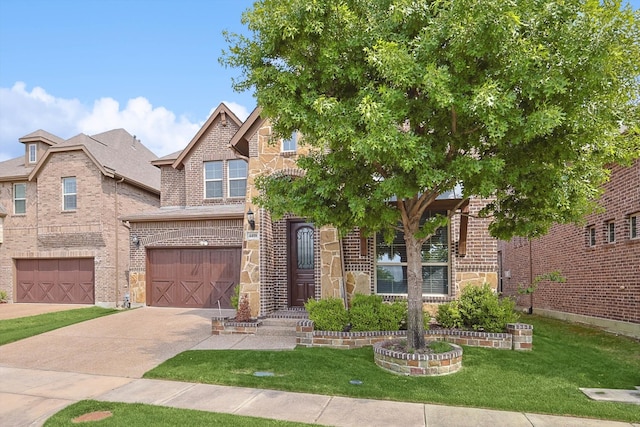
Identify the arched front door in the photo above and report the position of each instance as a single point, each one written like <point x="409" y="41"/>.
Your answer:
<point x="301" y="263"/>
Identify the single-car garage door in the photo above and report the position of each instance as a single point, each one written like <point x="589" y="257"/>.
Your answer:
<point x="60" y="281"/>
<point x="192" y="277"/>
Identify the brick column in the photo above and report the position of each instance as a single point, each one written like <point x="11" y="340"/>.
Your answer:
<point x="522" y="336"/>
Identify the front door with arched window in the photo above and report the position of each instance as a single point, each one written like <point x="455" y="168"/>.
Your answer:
<point x="301" y="263"/>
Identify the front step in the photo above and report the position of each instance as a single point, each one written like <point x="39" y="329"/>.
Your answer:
<point x="275" y="321"/>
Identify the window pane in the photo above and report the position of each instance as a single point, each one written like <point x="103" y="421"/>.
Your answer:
<point x="213" y="189"/>
<point x="20" y="207"/>
<point x="69" y="185"/>
<point x="20" y="191"/>
<point x="633" y="225"/>
<point x="237" y="169"/>
<point x="436" y="249"/>
<point x="70" y="202"/>
<point x="213" y="170"/>
<point x="304" y="238"/>
<point x="435" y="279"/>
<point x="290" y="143"/>
<point x="391" y="279"/>
<point x="237" y="188"/>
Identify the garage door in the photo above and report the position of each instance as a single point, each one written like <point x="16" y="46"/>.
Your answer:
<point x="60" y="281"/>
<point x="192" y="277"/>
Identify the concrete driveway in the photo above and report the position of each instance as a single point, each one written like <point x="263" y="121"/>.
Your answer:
<point x="125" y="344"/>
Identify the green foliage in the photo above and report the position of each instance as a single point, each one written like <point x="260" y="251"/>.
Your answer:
<point x="235" y="297"/>
<point x="3" y="296"/>
<point x="440" y="346"/>
<point x="478" y="308"/>
<point x="328" y="314"/>
<point x="554" y="276"/>
<point x="370" y="313"/>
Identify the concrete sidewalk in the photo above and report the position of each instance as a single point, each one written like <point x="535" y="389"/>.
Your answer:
<point x="29" y="397"/>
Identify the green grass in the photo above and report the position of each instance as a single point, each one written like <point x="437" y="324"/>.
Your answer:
<point x="24" y="327"/>
<point x="545" y="380"/>
<point x="137" y="414"/>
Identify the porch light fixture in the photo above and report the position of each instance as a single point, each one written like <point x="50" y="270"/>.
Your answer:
<point x="135" y="240"/>
<point x="251" y="219"/>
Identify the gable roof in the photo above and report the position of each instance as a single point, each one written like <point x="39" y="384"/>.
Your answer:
<point x="15" y="170"/>
<point x="41" y="136"/>
<point x="224" y="113"/>
<point x="240" y="141"/>
<point x="116" y="153"/>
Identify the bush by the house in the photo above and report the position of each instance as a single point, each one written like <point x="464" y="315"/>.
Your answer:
<point x="370" y="313"/>
<point x="235" y="297"/>
<point x="478" y="308"/>
<point x="328" y="314"/>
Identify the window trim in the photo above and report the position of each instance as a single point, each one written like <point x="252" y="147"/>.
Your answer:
<point x="447" y="264"/>
<point x="32" y="149"/>
<point x="591" y="235"/>
<point x="220" y="180"/>
<point x="15" y="198"/>
<point x="244" y="178"/>
<point x="65" y="194"/>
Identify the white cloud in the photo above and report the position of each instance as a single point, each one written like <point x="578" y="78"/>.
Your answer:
<point x="239" y="110"/>
<point x="22" y="112"/>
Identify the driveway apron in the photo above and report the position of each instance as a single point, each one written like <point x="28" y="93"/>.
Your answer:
<point x="125" y="344"/>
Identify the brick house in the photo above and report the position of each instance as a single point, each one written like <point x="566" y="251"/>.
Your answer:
<point x="61" y="240"/>
<point x="600" y="261"/>
<point x="208" y="236"/>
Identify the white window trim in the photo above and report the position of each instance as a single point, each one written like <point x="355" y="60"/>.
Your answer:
<point x="229" y="179"/>
<point x="611" y="229"/>
<point x="64" y="194"/>
<point x="33" y="149"/>
<point x="634" y="218"/>
<point x="221" y="179"/>
<point x="591" y="235"/>
<point x="16" y="199"/>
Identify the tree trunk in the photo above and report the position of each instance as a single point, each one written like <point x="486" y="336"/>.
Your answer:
<point x="415" y="325"/>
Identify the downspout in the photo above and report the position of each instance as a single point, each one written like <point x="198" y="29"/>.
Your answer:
<point x="116" y="224"/>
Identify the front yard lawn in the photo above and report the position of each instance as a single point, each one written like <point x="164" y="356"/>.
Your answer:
<point x="24" y="327"/>
<point x="545" y="380"/>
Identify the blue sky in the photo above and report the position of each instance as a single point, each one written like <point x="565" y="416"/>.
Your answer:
<point x="149" y="66"/>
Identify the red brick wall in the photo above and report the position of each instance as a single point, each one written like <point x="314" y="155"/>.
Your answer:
<point x="601" y="280"/>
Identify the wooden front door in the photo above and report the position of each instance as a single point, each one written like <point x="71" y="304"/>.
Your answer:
<point x="301" y="263"/>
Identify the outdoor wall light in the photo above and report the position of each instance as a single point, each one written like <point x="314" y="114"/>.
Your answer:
<point x="135" y="240"/>
<point x="251" y="220"/>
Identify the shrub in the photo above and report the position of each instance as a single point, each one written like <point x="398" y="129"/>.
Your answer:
<point x="328" y="314"/>
<point x="244" y="311"/>
<point x="235" y="297"/>
<point x="370" y="313"/>
<point x="478" y="308"/>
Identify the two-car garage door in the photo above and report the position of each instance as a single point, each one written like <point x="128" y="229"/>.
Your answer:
<point x="192" y="277"/>
<point x="60" y="281"/>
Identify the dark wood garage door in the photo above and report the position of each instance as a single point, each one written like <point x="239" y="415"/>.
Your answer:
<point x="192" y="277"/>
<point x="60" y="281"/>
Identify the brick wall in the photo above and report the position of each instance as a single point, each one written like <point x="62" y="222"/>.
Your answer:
<point x="601" y="280"/>
<point x="173" y="192"/>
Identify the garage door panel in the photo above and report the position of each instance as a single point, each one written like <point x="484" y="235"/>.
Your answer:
<point x="61" y="281"/>
<point x="192" y="277"/>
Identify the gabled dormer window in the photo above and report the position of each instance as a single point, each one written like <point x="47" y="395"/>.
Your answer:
<point x="33" y="153"/>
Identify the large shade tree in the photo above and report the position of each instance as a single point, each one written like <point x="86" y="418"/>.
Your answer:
<point x="523" y="102"/>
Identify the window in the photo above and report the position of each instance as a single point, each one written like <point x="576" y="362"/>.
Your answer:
<point x="237" y="178"/>
<point x="391" y="264"/>
<point x="32" y="153"/>
<point x="212" y="180"/>
<point x="611" y="231"/>
<point x="291" y="144"/>
<point x="20" y="199"/>
<point x="591" y="234"/>
<point x="633" y="226"/>
<point x="69" y="194"/>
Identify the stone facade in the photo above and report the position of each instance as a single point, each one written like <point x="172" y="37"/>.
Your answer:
<point x="602" y="276"/>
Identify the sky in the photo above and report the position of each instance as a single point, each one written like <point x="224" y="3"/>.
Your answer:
<point x="88" y="66"/>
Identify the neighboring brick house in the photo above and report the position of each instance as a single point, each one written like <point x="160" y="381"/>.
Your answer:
<point x="61" y="239"/>
<point x="207" y="220"/>
<point x="600" y="261"/>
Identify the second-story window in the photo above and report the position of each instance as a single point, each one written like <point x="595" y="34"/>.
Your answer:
<point x="213" y="180"/>
<point x="290" y="145"/>
<point x="20" y="199"/>
<point x="591" y="230"/>
<point x="69" y="194"/>
<point x="611" y="231"/>
<point x="633" y="226"/>
<point x="237" y="178"/>
<point x="33" y="154"/>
